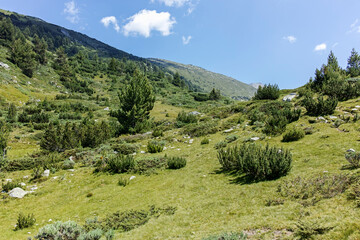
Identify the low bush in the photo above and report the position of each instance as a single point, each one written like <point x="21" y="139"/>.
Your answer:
<point x="25" y="221"/>
<point x="68" y="164"/>
<point x="123" y="181"/>
<point x="255" y="161"/>
<point x="227" y="236"/>
<point x="354" y="159"/>
<point x="221" y="144"/>
<point x="126" y="148"/>
<point x="293" y="134"/>
<point x="271" y="92"/>
<point x="307" y="229"/>
<point x="176" y="162"/>
<point x="353" y="193"/>
<point x="157" y="133"/>
<point x="120" y="164"/>
<point x="274" y="202"/>
<point x="155" y="146"/>
<point x="200" y="129"/>
<point x="319" y="106"/>
<point x="205" y="141"/>
<point x="185" y="118"/>
<point x="231" y="138"/>
<point x="149" y="165"/>
<point x="8" y="186"/>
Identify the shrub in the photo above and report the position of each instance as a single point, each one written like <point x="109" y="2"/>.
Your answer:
<point x="307" y="229"/>
<point x="353" y="159"/>
<point x="271" y="92"/>
<point x="126" y="148"/>
<point x="353" y="193"/>
<point x="8" y="186"/>
<point x="274" y="202"/>
<point x="70" y="229"/>
<point x="123" y="182"/>
<point x="220" y="144"/>
<point x="320" y="106"/>
<point x="120" y="163"/>
<point x="275" y="125"/>
<point x="25" y="221"/>
<point x="185" y="118"/>
<point x="176" y="162"/>
<point x="293" y="134"/>
<point x="255" y="161"/>
<point x="227" y="236"/>
<point x="231" y="138"/>
<point x="157" y="133"/>
<point x="68" y="164"/>
<point x="200" y="129"/>
<point x="155" y="146"/>
<point x="205" y="141"/>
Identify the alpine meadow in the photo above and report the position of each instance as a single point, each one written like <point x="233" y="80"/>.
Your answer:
<point x="97" y="143"/>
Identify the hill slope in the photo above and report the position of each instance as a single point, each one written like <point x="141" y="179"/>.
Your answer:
<point x="207" y="80"/>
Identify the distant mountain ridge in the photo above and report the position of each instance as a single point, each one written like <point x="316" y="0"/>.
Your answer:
<point x="206" y="80"/>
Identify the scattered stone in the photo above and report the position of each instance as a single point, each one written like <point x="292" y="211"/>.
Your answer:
<point x="142" y="152"/>
<point x="55" y="178"/>
<point x="50" y="220"/>
<point x="46" y="173"/>
<point x="25" y="177"/>
<point x="4" y="65"/>
<point x="191" y="141"/>
<point x="107" y="109"/>
<point x="228" y="130"/>
<point x="332" y="117"/>
<point x="172" y="147"/>
<point x="178" y="149"/>
<point x="17" y="193"/>
<point x="8" y="180"/>
<point x="164" y="148"/>
<point x="34" y="188"/>
<point x="132" y="177"/>
<point x="289" y="97"/>
<point x="22" y="184"/>
<point x="357" y="106"/>
<point x="29" y="83"/>
<point x="350" y="150"/>
<point x="71" y="170"/>
<point x="194" y="113"/>
<point x="134" y="154"/>
<point x="255" y="139"/>
<point x="71" y="158"/>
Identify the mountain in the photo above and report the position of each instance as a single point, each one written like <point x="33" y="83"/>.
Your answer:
<point x="205" y="80"/>
<point x="256" y="85"/>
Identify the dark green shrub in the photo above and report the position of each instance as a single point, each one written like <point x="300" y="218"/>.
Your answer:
<point x="70" y="229"/>
<point x="255" y="161"/>
<point x="157" y="133"/>
<point x="127" y="220"/>
<point x="274" y="202"/>
<point x="320" y="106"/>
<point x="227" y="236"/>
<point x="185" y="118"/>
<point x="120" y="164"/>
<point x="25" y="221"/>
<point x="231" y="138"/>
<point x="176" y="162"/>
<point x="307" y="229"/>
<point x="293" y="134"/>
<point x="353" y="193"/>
<point x="123" y="182"/>
<point x="155" y="146"/>
<point x="126" y="148"/>
<point x="201" y="97"/>
<point x="200" y="129"/>
<point x="8" y="186"/>
<point x="220" y="144"/>
<point x="68" y="164"/>
<point x="205" y="141"/>
<point x="354" y="159"/>
<point x="271" y="92"/>
<point x="275" y="125"/>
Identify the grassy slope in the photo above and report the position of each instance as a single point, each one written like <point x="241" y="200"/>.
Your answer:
<point x="207" y="202"/>
<point x="208" y="80"/>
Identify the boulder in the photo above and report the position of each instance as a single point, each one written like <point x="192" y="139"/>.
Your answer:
<point x="132" y="177"/>
<point x="17" y="193"/>
<point x="255" y="139"/>
<point x="194" y="113"/>
<point x="4" y="65"/>
<point x="350" y="150"/>
<point x="228" y="130"/>
<point x="289" y="97"/>
<point x="46" y="173"/>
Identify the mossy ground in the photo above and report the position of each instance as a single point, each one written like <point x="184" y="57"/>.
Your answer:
<point x="208" y="201"/>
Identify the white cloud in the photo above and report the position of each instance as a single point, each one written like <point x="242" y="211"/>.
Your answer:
<point x="173" y="3"/>
<point x="186" y="40"/>
<point x="320" y="47"/>
<point x="111" y="19"/>
<point x="290" y="39"/>
<point x="354" y="27"/>
<point x="146" y="21"/>
<point x="72" y="12"/>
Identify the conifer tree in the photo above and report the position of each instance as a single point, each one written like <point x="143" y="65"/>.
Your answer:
<point x="7" y="31"/>
<point x="353" y="67"/>
<point x="23" y="56"/>
<point x="40" y="48"/>
<point x="50" y="141"/>
<point x="136" y="101"/>
<point x="4" y="135"/>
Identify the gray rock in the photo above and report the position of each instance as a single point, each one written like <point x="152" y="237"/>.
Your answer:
<point x="46" y="173"/>
<point x="350" y="150"/>
<point x="332" y="117"/>
<point x="132" y="177"/>
<point x="4" y="65"/>
<point x="107" y="109"/>
<point x="194" y="113"/>
<point x="255" y="139"/>
<point x="228" y="130"/>
<point x="357" y="106"/>
<point x="17" y="193"/>
<point x="289" y="97"/>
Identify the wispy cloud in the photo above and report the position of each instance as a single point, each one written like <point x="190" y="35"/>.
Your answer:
<point x="111" y="20"/>
<point x="290" y="39"/>
<point x="334" y="45"/>
<point x="186" y="40"/>
<point x="191" y="4"/>
<point x="72" y="12"/>
<point x="320" y="47"/>
<point x="354" y="27"/>
<point x="146" y="21"/>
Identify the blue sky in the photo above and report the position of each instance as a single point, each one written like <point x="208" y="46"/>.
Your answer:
<point x="268" y="41"/>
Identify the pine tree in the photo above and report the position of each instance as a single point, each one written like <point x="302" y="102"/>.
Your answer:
<point x="214" y="94"/>
<point x="178" y="81"/>
<point x="50" y="141"/>
<point x="23" y="56"/>
<point x="136" y="101"/>
<point x="4" y="135"/>
<point x="7" y="31"/>
<point x="12" y="112"/>
<point x="40" y="48"/>
<point x="353" y="67"/>
<point x="333" y="62"/>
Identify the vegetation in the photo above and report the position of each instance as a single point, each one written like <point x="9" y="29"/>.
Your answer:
<point x="268" y="91"/>
<point x="293" y="134"/>
<point x="176" y="162"/>
<point x="25" y="221"/>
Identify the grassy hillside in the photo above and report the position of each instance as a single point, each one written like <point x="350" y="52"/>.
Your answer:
<point x="206" y="80"/>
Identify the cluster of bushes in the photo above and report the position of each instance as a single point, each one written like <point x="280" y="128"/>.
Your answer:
<point x="35" y="117"/>
<point x="255" y="161"/>
<point x="227" y="236"/>
<point x="155" y="146"/>
<point x="213" y="95"/>
<point x="119" y="163"/>
<point x="200" y="129"/>
<point x="270" y="92"/>
<point x="126" y="148"/>
<point x="293" y="134"/>
<point x="70" y="116"/>
<point x="25" y="221"/>
<point x="319" y="106"/>
<point x="185" y="118"/>
<point x="73" y="135"/>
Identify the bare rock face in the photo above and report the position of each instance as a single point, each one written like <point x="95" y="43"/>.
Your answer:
<point x="17" y="193"/>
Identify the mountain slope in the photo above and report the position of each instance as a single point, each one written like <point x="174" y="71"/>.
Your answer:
<point x="206" y="80"/>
